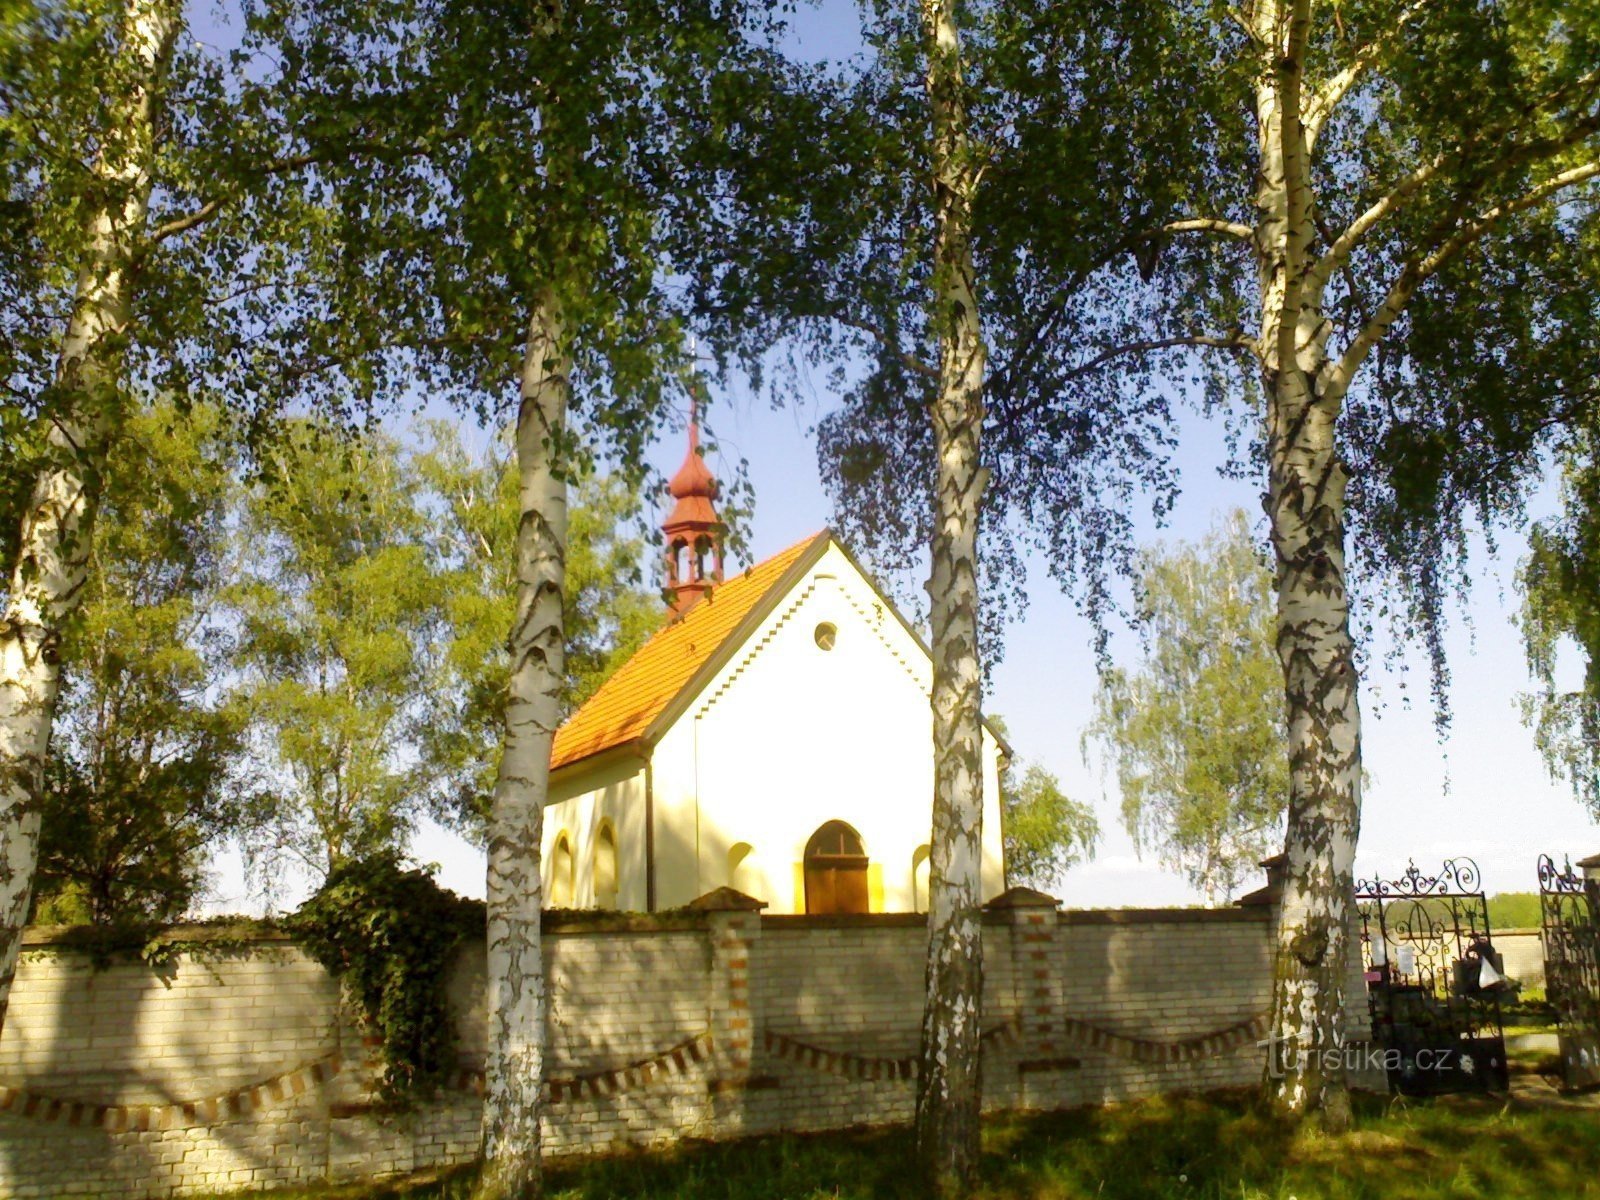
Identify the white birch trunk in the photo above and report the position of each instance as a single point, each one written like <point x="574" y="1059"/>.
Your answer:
<point x="1306" y="507"/>
<point x="514" y="1070"/>
<point x="949" y="1092"/>
<point x="47" y="578"/>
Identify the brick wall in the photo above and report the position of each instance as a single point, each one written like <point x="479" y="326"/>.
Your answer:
<point x="239" y="1069"/>
<point x="1523" y="952"/>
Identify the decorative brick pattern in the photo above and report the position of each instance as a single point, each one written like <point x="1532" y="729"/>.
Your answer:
<point x="238" y="1104"/>
<point x="1081" y="1034"/>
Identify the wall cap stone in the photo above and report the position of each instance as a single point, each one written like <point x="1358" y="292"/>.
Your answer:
<point x="725" y="899"/>
<point x="1022" y="897"/>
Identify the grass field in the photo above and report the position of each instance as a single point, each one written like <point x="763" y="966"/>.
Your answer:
<point x="1213" y="1148"/>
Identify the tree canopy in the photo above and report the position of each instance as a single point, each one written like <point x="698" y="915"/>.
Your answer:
<point x="146" y="775"/>
<point x="1195" y="731"/>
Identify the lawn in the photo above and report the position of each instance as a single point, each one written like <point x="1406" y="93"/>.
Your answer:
<point x="1215" y="1148"/>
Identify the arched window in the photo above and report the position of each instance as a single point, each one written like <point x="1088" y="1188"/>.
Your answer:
<point x="605" y="867"/>
<point x="741" y="873"/>
<point x="920" y="863"/>
<point x="836" y="870"/>
<point x="560" y="895"/>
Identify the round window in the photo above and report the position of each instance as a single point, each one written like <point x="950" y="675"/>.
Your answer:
<point x="826" y="634"/>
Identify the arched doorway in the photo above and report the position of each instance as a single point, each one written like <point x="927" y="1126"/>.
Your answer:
<point x="836" y="870"/>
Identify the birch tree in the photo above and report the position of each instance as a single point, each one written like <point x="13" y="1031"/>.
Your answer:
<point x="1560" y="613"/>
<point x="525" y="243"/>
<point x="145" y="251"/>
<point x="878" y="225"/>
<point x="85" y="400"/>
<point x="949" y="1088"/>
<point x="1332" y="230"/>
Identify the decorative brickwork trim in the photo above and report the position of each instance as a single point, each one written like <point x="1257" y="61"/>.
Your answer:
<point x="184" y="1114"/>
<point x="837" y="1062"/>
<point x="859" y="1066"/>
<point x="673" y="1061"/>
<point x="1148" y="1050"/>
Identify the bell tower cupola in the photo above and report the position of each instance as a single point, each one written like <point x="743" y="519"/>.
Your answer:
<point x="693" y="532"/>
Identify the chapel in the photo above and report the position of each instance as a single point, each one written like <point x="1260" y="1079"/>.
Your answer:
<point x="774" y="736"/>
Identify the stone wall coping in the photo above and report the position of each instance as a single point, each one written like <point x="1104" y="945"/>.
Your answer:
<point x="725" y="899"/>
<point x="109" y="937"/>
<point x="597" y="920"/>
<point x="1022" y="897"/>
<point x="1071" y="916"/>
<point x="579" y="921"/>
<point x="898" y="920"/>
<point x="1161" y="916"/>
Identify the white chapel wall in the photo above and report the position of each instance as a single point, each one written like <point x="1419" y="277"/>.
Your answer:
<point x="613" y="797"/>
<point x="789" y="736"/>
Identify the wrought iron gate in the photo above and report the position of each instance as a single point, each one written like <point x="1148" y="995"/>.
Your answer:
<point x="1570" y="907"/>
<point x="1434" y="980"/>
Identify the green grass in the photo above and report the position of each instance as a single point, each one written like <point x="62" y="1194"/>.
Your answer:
<point x="1213" y="1148"/>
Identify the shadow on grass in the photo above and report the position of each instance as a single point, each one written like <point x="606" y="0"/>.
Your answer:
<point x="1217" y="1147"/>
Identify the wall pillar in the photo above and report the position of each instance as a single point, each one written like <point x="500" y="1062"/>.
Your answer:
<point x="733" y="924"/>
<point x="1030" y="918"/>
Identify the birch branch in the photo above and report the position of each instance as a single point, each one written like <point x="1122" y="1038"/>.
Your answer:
<point x="215" y="205"/>
<point x="1398" y="196"/>
<point x="1418" y="272"/>
<point x="1209" y="225"/>
<point x="1199" y="341"/>
<point x="1329" y="96"/>
<point x="910" y="361"/>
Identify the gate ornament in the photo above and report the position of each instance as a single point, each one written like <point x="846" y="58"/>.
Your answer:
<point x="1458" y="876"/>
<point x="1569" y="906"/>
<point x="1434" y="979"/>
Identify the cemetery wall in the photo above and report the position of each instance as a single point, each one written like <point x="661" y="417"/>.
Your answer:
<point x="239" y="1067"/>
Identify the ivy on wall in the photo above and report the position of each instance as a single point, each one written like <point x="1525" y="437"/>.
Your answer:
<point x="157" y="945"/>
<point x="389" y="933"/>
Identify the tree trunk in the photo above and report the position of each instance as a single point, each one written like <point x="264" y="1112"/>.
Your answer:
<point x="1305" y="503"/>
<point x="46" y="580"/>
<point x="949" y="1094"/>
<point x="514" y="1071"/>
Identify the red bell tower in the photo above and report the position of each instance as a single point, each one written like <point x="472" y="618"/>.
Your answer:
<point x="693" y="530"/>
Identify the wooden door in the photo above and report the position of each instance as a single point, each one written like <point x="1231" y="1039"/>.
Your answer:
<point x="836" y="871"/>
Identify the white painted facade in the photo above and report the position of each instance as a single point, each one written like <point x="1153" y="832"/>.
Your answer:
<point x="785" y="737"/>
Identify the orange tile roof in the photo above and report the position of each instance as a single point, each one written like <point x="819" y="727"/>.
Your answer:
<point x="641" y="689"/>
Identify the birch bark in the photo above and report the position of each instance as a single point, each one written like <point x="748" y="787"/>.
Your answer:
<point x="47" y="578"/>
<point x="514" y="1072"/>
<point x="1306" y="493"/>
<point x="949" y="1093"/>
